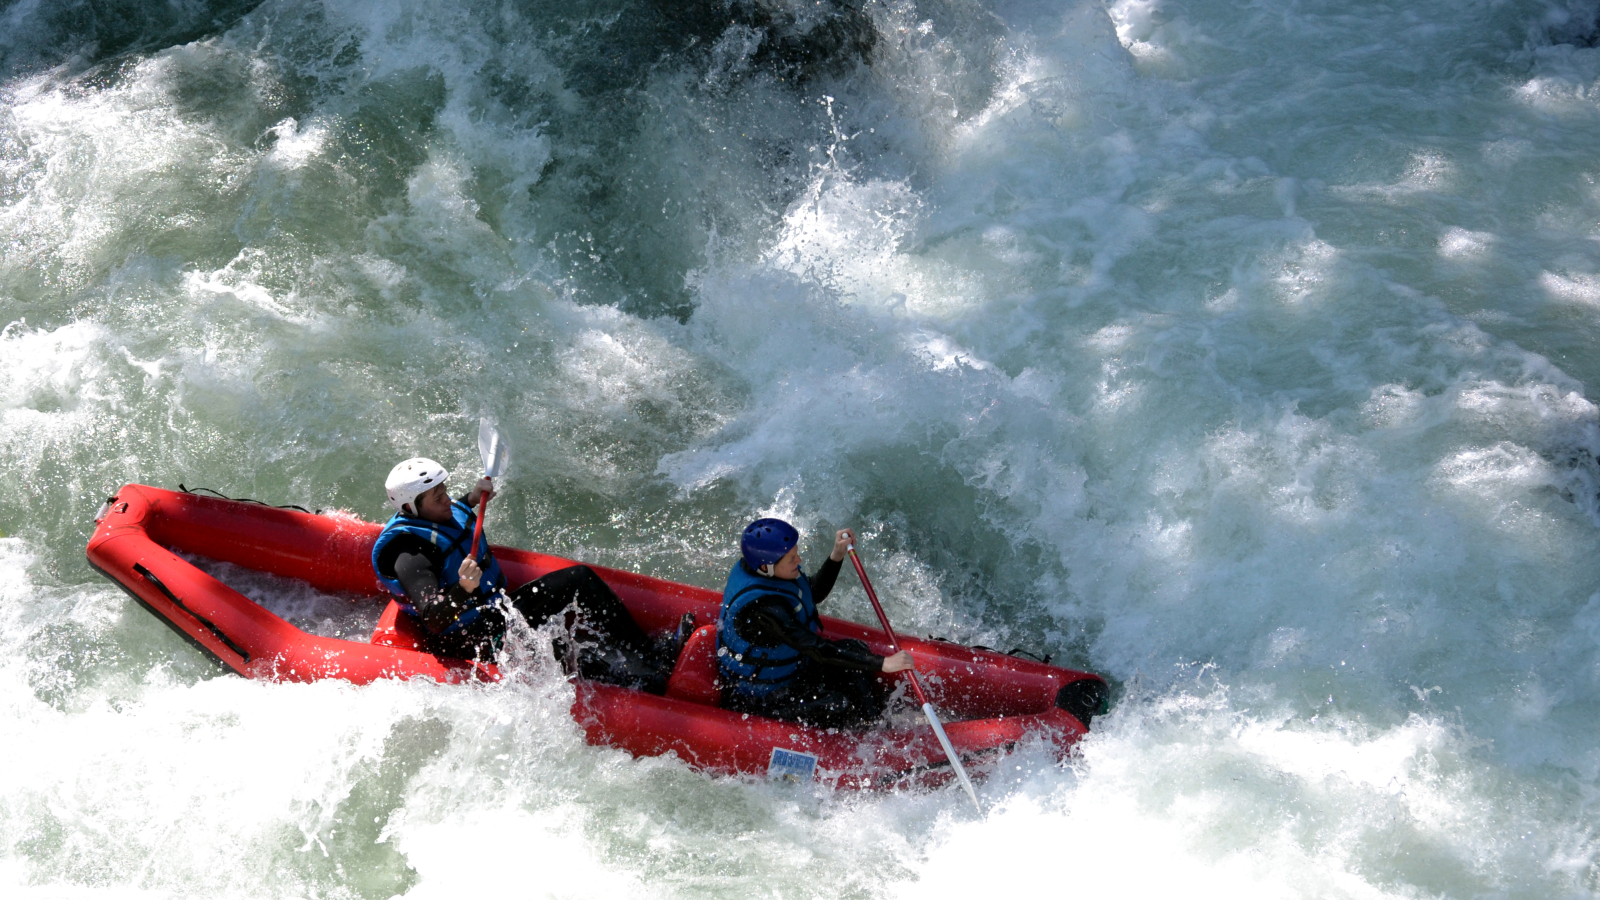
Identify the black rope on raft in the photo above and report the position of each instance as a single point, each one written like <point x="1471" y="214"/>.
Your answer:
<point x="197" y="490"/>
<point x="1014" y="651"/>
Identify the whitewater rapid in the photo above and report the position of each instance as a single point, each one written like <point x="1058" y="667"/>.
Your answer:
<point x="1240" y="353"/>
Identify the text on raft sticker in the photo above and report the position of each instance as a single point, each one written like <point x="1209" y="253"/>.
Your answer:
<point x="791" y="765"/>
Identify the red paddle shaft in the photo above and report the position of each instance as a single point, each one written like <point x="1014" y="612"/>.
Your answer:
<point x="477" y="530"/>
<point x="916" y="685"/>
<point x="894" y="642"/>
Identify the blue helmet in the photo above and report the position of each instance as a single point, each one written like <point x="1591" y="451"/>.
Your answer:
<point x="765" y="541"/>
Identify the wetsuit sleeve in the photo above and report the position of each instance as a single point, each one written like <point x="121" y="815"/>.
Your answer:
<point x="822" y="582"/>
<point x="437" y="607"/>
<point x="770" y="622"/>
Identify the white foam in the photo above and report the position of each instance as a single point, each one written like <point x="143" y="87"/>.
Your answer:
<point x="294" y="146"/>
<point x="248" y="294"/>
<point x="1300" y="816"/>
<point x="1079" y="315"/>
<point x="1578" y="288"/>
<point x="51" y="370"/>
<point x="1459" y="243"/>
<point x="99" y="163"/>
<point x="548" y="848"/>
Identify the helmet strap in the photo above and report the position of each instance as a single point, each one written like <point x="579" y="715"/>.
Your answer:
<point x="765" y="571"/>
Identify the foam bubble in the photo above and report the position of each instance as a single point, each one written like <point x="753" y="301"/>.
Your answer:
<point x="1580" y="288"/>
<point x="1459" y="243"/>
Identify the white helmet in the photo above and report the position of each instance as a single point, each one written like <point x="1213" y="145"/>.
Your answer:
<point x="417" y="475"/>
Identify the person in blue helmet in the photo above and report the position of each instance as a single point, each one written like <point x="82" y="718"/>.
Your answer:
<point x="457" y="592"/>
<point x="771" y="654"/>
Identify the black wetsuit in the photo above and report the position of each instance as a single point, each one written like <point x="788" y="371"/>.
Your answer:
<point x="609" y="645"/>
<point x="837" y="687"/>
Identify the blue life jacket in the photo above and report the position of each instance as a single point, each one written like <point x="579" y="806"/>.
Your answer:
<point x="751" y="669"/>
<point x="451" y="538"/>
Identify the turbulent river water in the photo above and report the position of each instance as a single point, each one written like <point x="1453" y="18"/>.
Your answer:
<point x="1240" y="352"/>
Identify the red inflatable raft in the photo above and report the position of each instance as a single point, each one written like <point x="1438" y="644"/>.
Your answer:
<point x="990" y="701"/>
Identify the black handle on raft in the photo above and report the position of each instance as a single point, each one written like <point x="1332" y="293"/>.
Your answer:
<point x="215" y="631"/>
<point x="1014" y="651"/>
<point x="196" y="491"/>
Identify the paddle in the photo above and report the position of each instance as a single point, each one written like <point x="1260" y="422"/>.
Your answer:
<point x="495" y="454"/>
<point x="916" y="683"/>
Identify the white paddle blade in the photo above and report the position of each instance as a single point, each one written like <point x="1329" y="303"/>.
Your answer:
<point x="950" y="753"/>
<point x="493" y="450"/>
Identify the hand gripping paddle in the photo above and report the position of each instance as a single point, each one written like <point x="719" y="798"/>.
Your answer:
<point x="916" y="684"/>
<point x="495" y="456"/>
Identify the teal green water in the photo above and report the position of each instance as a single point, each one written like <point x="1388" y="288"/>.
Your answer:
<point x="1238" y="352"/>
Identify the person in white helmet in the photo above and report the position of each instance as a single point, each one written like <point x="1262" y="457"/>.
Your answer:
<point x="456" y="591"/>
